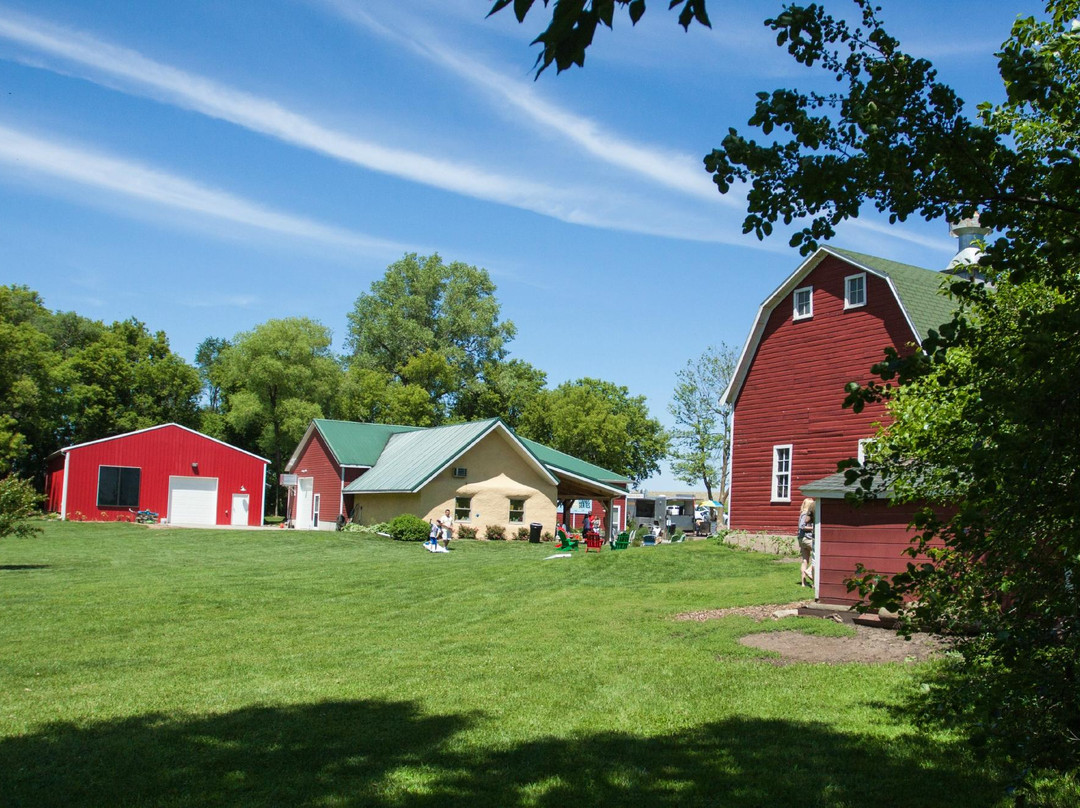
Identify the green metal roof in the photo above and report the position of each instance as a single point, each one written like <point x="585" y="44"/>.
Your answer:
<point x="560" y="461"/>
<point x="920" y="289"/>
<point x="404" y="458"/>
<point x="356" y="444"/>
<point x="411" y="458"/>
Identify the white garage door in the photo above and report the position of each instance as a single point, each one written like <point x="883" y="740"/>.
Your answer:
<point x="193" y="500"/>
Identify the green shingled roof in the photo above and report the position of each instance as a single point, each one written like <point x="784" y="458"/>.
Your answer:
<point x="919" y="289"/>
<point x="557" y="461"/>
<point x="356" y="444"/>
<point x="834" y="487"/>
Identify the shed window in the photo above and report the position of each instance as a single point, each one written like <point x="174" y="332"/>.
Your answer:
<point x="781" y="474"/>
<point x="803" y="300"/>
<point x="462" y="508"/>
<point x="517" y="511"/>
<point x="118" y="487"/>
<point x="855" y="291"/>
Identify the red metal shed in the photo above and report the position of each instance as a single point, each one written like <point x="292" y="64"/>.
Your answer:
<point x="182" y="475"/>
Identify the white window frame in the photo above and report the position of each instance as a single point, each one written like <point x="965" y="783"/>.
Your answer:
<point x="795" y="314"/>
<point x="863" y="443"/>
<point x="778" y="473"/>
<point x="458" y="509"/>
<point x="513" y="510"/>
<point x="849" y="302"/>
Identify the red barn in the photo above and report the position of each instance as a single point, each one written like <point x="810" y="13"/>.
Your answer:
<point x="184" y="476"/>
<point x="825" y="326"/>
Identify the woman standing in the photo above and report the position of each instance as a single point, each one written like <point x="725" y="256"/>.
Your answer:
<point x="805" y="538"/>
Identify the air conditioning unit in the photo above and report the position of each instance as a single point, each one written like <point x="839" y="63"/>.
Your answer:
<point x="460" y="471"/>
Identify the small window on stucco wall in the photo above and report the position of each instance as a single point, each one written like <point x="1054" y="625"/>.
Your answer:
<point x="462" y="508"/>
<point x="517" y="511"/>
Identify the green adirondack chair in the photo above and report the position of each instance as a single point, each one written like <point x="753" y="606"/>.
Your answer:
<point x="622" y="541"/>
<point x="564" y="540"/>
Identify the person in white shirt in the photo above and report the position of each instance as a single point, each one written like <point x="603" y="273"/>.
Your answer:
<point x="446" y="525"/>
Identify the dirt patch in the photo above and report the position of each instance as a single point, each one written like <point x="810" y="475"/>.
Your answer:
<point x="757" y="612"/>
<point x="869" y="645"/>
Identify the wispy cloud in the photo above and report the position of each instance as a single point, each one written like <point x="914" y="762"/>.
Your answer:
<point x="130" y="71"/>
<point x="678" y="172"/>
<point x="28" y="152"/>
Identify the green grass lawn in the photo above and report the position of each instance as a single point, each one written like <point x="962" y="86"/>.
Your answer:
<point x="198" y="667"/>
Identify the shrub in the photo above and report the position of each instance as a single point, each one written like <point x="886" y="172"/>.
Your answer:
<point x="407" y="527"/>
<point x="495" y="533"/>
<point x="546" y="536"/>
<point x="466" y="532"/>
<point x="18" y="501"/>
<point x="522" y="534"/>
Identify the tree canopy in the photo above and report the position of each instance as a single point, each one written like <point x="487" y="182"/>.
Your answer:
<point x="702" y="433"/>
<point x="66" y="379"/>
<point x="276" y="378"/>
<point x="601" y="423"/>
<point x="430" y="326"/>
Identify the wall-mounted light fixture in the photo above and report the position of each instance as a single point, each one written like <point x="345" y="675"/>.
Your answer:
<point x="195" y="467"/>
<point x="242" y="489"/>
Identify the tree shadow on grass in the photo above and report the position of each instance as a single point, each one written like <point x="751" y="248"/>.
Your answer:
<point x="383" y="754"/>
<point x="21" y="567"/>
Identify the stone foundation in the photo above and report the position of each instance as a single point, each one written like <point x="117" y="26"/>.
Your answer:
<point x="762" y="542"/>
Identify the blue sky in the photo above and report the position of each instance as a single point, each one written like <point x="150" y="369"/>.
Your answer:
<point x="207" y="166"/>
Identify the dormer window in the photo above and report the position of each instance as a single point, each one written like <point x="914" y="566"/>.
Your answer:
<point x="855" y="291"/>
<point x="803" y="303"/>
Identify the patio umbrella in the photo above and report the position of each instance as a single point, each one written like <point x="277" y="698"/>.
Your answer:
<point x="710" y="503"/>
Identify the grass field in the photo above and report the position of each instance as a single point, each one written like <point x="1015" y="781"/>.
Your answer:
<point x="198" y="667"/>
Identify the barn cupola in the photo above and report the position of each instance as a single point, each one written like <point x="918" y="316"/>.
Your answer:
<point x="970" y="235"/>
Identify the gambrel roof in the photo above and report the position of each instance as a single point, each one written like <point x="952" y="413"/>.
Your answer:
<point x="920" y="295"/>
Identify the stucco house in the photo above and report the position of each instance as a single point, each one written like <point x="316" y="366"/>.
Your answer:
<point x="482" y="471"/>
<point x="823" y="327"/>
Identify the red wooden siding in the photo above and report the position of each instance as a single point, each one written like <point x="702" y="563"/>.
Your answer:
<point x="874" y="534"/>
<point x="159" y="453"/>
<point x="316" y="461"/>
<point x="794" y="391"/>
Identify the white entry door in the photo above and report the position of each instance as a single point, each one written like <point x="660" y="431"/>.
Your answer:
<point x="193" y="500"/>
<point x="239" y="513"/>
<point x="305" y="490"/>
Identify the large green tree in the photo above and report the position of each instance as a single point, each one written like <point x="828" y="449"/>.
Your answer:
<point x="702" y="433"/>
<point x="28" y="382"/>
<point x="505" y="390"/>
<point x="986" y="414"/>
<point x="128" y="379"/>
<point x="599" y="422"/>
<point x="431" y="326"/>
<point x="275" y="379"/>
<point x="66" y="379"/>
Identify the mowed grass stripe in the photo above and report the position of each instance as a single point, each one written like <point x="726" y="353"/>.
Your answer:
<point x="190" y="667"/>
